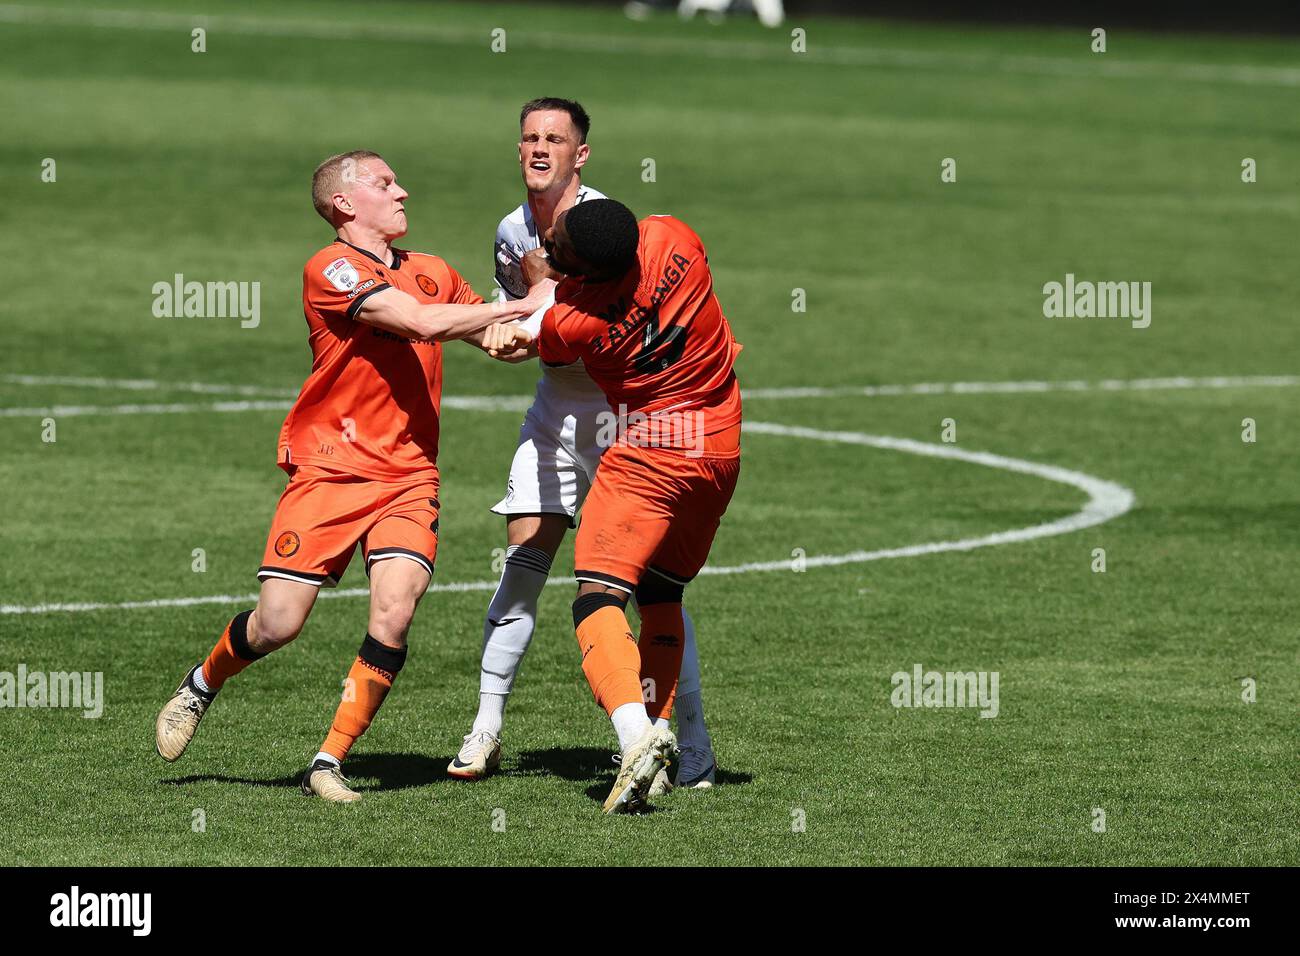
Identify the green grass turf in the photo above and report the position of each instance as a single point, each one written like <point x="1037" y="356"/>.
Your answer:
<point x="1119" y="690"/>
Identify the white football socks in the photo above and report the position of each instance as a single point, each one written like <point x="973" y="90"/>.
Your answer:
<point x="491" y="713"/>
<point x="630" y="723"/>
<point x="507" y="631"/>
<point x="328" y="758"/>
<point x="199" y="682"/>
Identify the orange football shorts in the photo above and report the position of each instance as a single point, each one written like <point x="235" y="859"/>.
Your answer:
<point x="656" y="509"/>
<point x="324" y="514"/>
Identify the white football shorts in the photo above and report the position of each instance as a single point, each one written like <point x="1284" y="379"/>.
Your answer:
<point x="558" y="453"/>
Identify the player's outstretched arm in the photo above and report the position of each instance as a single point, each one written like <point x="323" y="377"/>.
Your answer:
<point x="396" y="311"/>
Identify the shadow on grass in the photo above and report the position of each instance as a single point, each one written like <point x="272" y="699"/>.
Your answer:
<point x="402" y="771"/>
<point x="592" y="764"/>
<point x="390" y="771"/>
<point x="567" y="763"/>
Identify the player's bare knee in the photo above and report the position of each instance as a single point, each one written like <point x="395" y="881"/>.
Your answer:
<point x="270" y="628"/>
<point x="390" y="618"/>
<point x="542" y="531"/>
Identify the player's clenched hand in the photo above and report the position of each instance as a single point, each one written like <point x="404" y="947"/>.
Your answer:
<point x="502" y="340"/>
<point x="537" y="267"/>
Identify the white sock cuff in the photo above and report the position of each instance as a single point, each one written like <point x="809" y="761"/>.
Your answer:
<point x="199" y="682"/>
<point x="630" y="723"/>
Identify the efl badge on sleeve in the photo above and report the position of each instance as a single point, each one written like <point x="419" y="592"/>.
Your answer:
<point x="342" y="275"/>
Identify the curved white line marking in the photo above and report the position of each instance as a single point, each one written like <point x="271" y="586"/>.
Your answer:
<point x="1106" y="500"/>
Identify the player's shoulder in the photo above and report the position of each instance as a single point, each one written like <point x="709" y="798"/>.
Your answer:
<point x="327" y="254"/>
<point x="514" y="224"/>
<point x="588" y="192"/>
<point x="665" y="227"/>
<point x="338" y="265"/>
<point x="667" y="236"/>
<point x="568" y="300"/>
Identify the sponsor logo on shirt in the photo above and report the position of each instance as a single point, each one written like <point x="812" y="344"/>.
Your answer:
<point x="342" y="275"/>
<point x="361" y="288"/>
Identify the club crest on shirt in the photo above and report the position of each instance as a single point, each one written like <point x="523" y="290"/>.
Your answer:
<point x="287" y="544"/>
<point x="342" y="275"/>
<point x="427" y="285"/>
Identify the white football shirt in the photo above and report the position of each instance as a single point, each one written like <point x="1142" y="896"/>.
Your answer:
<point x="516" y="237"/>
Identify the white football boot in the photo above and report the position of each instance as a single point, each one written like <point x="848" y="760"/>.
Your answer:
<point x="640" y="765"/>
<point x="662" y="786"/>
<point x="480" y="754"/>
<point x="326" y="780"/>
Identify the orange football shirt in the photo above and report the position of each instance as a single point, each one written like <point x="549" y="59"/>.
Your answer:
<point x="371" y="404"/>
<point x="655" y="341"/>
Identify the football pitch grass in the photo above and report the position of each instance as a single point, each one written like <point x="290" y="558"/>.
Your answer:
<point x="1126" y="691"/>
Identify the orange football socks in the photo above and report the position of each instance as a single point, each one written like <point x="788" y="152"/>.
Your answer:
<point x="610" y="658"/>
<point x="231" y="655"/>
<point x="368" y="683"/>
<point x="663" y="641"/>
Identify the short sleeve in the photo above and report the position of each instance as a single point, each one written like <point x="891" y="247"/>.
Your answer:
<point x="337" y="287"/>
<point x="509" y="273"/>
<point x="551" y="345"/>
<point x="462" y="293"/>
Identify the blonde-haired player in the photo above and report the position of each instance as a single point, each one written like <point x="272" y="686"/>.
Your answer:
<point x="360" y="447"/>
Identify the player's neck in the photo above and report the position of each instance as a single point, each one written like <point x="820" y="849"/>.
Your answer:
<point x="371" y="242"/>
<point x="546" y="206"/>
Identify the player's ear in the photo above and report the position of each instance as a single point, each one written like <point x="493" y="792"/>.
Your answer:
<point x="583" y="152"/>
<point x="343" y="203"/>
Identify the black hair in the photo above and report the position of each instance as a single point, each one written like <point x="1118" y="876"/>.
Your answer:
<point x="604" y="233"/>
<point x="576" y="113"/>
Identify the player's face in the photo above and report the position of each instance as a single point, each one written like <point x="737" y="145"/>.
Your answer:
<point x="377" y="199"/>
<point x="551" y="150"/>
<point x="559" y="250"/>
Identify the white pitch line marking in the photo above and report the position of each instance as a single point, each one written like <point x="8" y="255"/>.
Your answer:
<point x="1086" y="66"/>
<point x="147" y="385"/>
<point x="510" y="403"/>
<point x="1106" y="501"/>
<point x="476" y="403"/>
<point x="72" y="411"/>
<point x="998" y="388"/>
